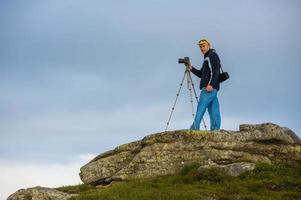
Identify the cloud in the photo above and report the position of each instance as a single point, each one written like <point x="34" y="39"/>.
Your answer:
<point x="53" y="135"/>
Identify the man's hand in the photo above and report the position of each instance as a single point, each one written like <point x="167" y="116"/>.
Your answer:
<point x="188" y="66"/>
<point x="209" y="88"/>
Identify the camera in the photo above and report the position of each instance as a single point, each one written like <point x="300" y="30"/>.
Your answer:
<point x="185" y="60"/>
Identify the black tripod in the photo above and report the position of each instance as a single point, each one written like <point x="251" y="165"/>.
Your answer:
<point x="190" y="85"/>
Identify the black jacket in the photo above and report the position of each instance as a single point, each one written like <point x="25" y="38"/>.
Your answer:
<point x="209" y="75"/>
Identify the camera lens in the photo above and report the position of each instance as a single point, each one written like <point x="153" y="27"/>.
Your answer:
<point x="181" y="60"/>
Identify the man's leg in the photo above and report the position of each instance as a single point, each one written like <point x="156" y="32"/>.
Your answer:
<point x="212" y="122"/>
<point x="204" y="100"/>
<point x="216" y="114"/>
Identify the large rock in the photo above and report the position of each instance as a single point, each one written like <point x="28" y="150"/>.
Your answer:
<point x="39" y="193"/>
<point x="233" y="169"/>
<point x="167" y="152"/>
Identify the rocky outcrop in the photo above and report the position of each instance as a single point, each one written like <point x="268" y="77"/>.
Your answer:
<point x="39" y="193"/>
<point x="233" y="169"/>
<point x="167" y="152"/>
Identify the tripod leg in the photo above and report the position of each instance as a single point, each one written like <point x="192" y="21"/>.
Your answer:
<point x="190" y="93"/>
<point x="196" y="97"/>
<point x="177" y="95"/>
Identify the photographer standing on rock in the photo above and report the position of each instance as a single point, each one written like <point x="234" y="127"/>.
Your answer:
<point x="209" y="85"/>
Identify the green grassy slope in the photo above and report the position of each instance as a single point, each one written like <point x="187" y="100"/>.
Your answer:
<point x="265" y="182"/>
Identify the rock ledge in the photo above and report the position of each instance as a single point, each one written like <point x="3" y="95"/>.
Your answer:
<point x="167" y="152"/>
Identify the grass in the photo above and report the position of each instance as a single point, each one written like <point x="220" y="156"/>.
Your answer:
<point x="264" y="182"/>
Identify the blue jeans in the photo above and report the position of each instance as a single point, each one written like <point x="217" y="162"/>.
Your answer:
<point x="208" y="100"/>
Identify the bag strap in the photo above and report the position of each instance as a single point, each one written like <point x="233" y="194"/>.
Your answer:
<point x="221" y="69"/>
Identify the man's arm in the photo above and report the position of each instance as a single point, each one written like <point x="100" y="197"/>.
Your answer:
<point x="196" y="72"/>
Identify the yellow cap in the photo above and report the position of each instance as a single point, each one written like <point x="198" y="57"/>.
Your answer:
<point x="204" y="41"/>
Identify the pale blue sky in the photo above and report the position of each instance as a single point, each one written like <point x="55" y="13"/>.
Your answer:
<point x="79" y="77"/>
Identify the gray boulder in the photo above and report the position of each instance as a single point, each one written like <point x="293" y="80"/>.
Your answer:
<point x="167" y="152"/>
<point x="233" y="169"/>
<point x="39" y="193"/>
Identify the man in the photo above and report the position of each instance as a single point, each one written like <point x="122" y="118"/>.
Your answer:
<point x="209" y="85"/>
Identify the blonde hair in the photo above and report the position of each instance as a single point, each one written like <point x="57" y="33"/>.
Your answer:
<point x="204" y="41"/>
